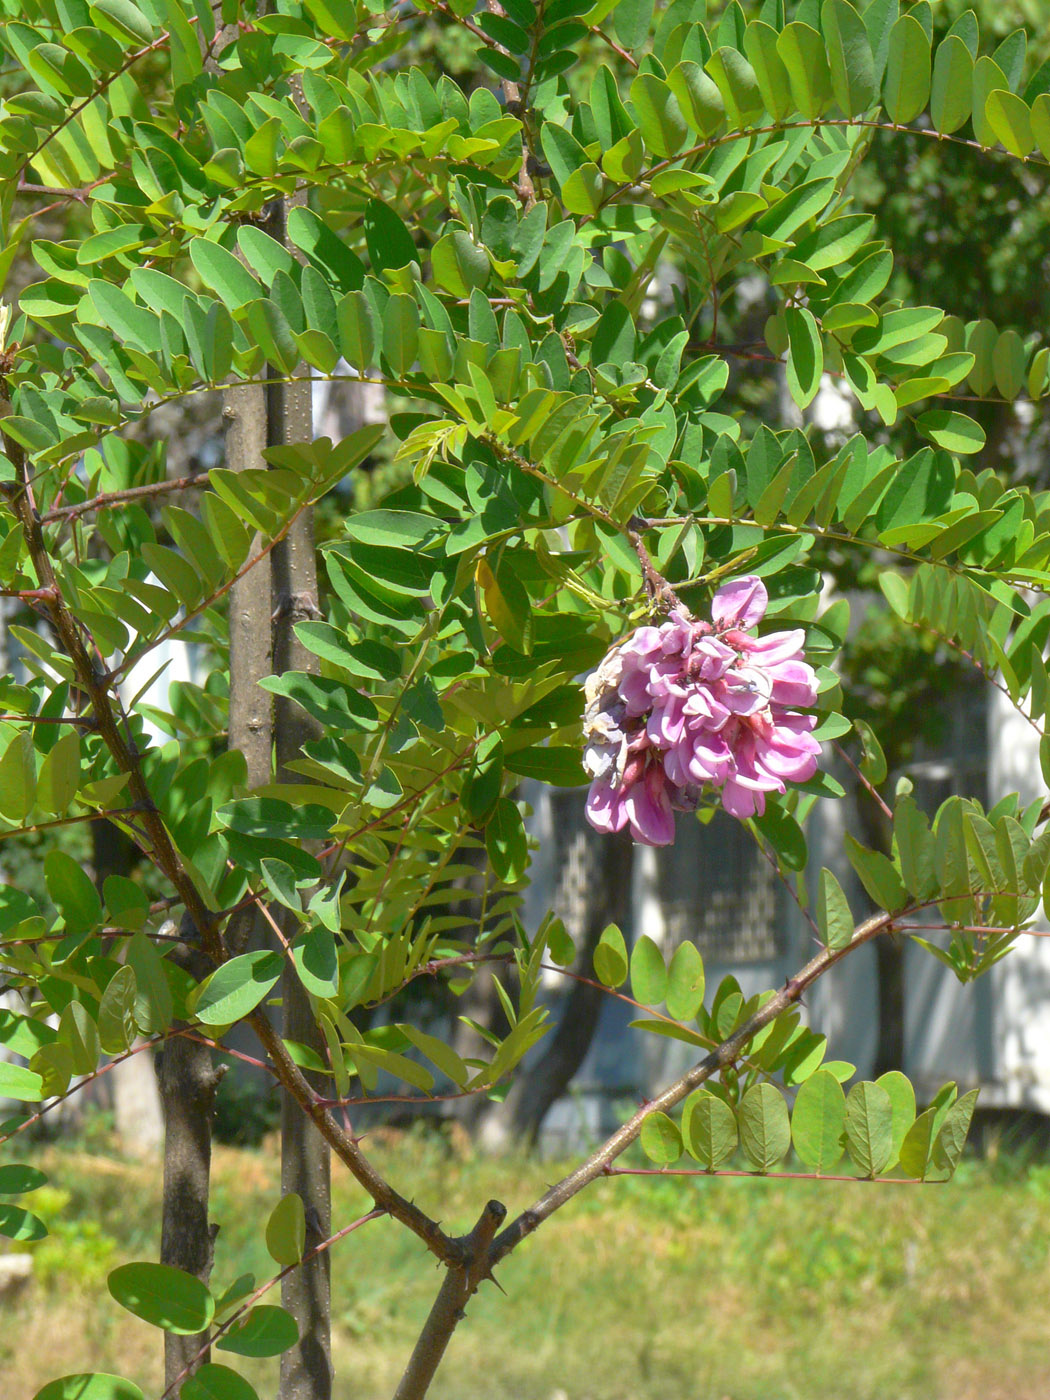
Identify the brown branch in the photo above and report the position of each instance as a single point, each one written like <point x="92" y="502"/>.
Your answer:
<point x="117" y="498"/>
<point x="629" y="58"/>
<point x="600" y="1161"/>
<point x="443" y="1246"/>
<point x="661" y="594"/>
<point x="460" y="1284"/>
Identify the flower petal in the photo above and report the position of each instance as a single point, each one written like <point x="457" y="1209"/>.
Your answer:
<point x="740" y="603"/>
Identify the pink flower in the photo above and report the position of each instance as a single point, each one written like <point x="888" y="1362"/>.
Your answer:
<point x="740" y="603"/>
<point x="687" y="708"/>
<point x="648" y="805"/>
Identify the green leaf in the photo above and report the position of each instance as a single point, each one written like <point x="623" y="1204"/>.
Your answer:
<point x="738" y="85"/>
<point x="1009" y="361"/>
<point x="951" y="92"/>
<point x="440" y="1054"/>
<point x="878" y="875"/>
<point x="400" y="333"/>
<point x="153" y="1002"/>
<point x="237" y="987"/>
<point x="988" y="77"/>
<point x="685" y="982"/>
<point x="614" y="336"/>
<point x="79" y="1035"/>
<point x="357" y="329"/>
<point x="805" y="363"/>
<point x="660" y="118"/>
<point x="17" y="1177"/>
<point x="648" y="973"/>
<point x="760" y="46"/>
<point x="214" y="1382"/>
<point x="916" y="1149"/>
<point x="902" y="1100"/>
<point x="584" y="191"/>
<point x="59" y="775"/>
<point x="224" y="273"/>
<point x="955" y="432"/>
<point x="802" y="51"/>
<point x="833" y="913"/>
<point x="873" y="760"/>
<point x="163" y="1296"/>
<point x="265" y="1331"/>
<point x="17" y="1082"/>
<point x="951" y="1140"/>
<point x="906" y="86"/>
<point x="610" y="958"/>
<point x="849" y="57"/>
<point x="459" y="265"/>
<point x="401" y="529"/>
<point x="54" y="1064"/>
<point x="698" y="98"/>
<point x="116" y="1012"/>
<point x="18" y="778"/>
<point x="818" y="1121"/>
<point x="632" y="20"/>
<point x="765" y="1129"/>
<point x="317" y="961"/>
<point x="286" y="1230"/>
<point x="484" y="781"/>
<point x="1040" y="119"/>
<point x="1010" y="119"/>
<point x="661" y="1140"/>
<point x="708" y="1129"/>
<point x="89" y="1385"/>
<point x="869" y="1127"/>
<point x="123" y="20"/>
<point x="554" y="764"/>
<point x="389" y="242"/>
<point x="506" y="841"/>
<point x="19" y="1224"/>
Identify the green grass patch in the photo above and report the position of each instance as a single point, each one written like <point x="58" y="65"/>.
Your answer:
<point x="641" y="1289"/>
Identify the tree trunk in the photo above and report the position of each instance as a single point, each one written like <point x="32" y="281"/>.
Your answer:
<point x="889" y="958"/>
<point x="188" y="1080"/>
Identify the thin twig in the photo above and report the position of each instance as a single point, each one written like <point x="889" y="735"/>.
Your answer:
<point x="118" y="498"/>
<point x="772" y="1176"/>
<point x="254" y="1297"/>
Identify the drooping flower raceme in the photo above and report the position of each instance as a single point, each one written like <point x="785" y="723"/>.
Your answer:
<point x="689" y="707"/>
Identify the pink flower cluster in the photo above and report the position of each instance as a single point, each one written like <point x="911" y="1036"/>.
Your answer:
<point x="689" y="706"/>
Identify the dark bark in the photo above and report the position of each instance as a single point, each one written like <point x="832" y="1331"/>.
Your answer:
<point x="188" y="1079"/>
<point x="520" y="1116"/>
<point x="889" y="961"/>
<point x="889" y="958"/>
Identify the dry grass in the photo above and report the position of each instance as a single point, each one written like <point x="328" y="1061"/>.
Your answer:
<point x="641" y="1290"/>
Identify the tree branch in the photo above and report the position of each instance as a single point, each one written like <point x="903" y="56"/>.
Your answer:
<point x="725" y="1054"/>
<point x="460" y="1284"/>
<point x="119" y="498"/>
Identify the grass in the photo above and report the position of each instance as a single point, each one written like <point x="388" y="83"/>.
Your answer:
<point x="641" y="1289"/>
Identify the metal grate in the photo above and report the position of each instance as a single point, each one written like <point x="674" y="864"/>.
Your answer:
<point x="578" y="855"/>
<point x="713" y="886"/>
<point x="717" y="891"/>
<point x="958" y="766"/>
